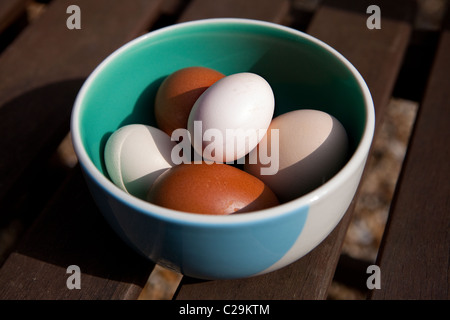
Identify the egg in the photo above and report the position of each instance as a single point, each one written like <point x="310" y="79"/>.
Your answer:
<point x="310" y="147"/>
<point x="135" y="155"/>
<point x="177" y="94"/>
<point x="229" y="119"/>
<point x="216" y="189"/>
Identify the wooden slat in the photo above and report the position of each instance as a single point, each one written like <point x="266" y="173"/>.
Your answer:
<point x="377" y="54"/>
<point x="9" y="11"/>
<point x="415" y="253"/>
<point x="41" y="73"/>
<point x="44" y="68"/>
<point x="72" y="232"/>
<point x="269" y="10"/>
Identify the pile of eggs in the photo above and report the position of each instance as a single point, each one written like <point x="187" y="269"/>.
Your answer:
<point x="187" y="163"/>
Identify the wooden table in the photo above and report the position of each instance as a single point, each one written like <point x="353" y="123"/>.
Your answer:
<point x="44" y="63"/>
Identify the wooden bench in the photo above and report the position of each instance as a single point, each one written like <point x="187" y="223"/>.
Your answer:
<point x="57" y="224"/>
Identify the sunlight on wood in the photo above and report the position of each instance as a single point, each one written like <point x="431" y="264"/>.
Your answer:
<point x="161" y="284"/>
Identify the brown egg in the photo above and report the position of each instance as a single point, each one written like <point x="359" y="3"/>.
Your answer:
<point x="178" y="93"/>
<point x="217" y="189"/>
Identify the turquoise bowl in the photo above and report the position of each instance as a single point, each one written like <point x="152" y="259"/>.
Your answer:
<point x="303" y="73"/>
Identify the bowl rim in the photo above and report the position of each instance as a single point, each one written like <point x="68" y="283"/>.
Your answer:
<point x="359" y="156"/>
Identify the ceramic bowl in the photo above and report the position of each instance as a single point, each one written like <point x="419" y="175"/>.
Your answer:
<point x="303" y="73"/>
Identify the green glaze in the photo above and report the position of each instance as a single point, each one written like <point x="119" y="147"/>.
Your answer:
<point x="302" y="73"/>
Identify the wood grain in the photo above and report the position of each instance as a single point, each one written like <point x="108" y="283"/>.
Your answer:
<point x="71" y="231"/>
<point x="46" y="58"/>
<point x="41" y="72"/>
<point x="43" y="69"/>
<point x="10" y="10"/>
<point x="268" y="10"/>
<point x="415" y="253"/>
<point x="309" y="278"/>
<point x="377" y="54"/>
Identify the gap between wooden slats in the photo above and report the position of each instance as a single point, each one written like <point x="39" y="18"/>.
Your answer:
<point x="345" y="29"/>
<point x="415" y="252"/>
<point x="71" y="231"/>
<point x="269" y="10"/>
<point x="48" y="58"/>
<point x="35" y="110"/>
<point x="10" y="10"/>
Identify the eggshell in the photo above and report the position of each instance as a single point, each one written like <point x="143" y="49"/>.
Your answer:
<point x="135" y="155"/>
<point x="229" y="119"/>
<point x="312" y="147"/>
<point x="217" y="189"/>
<point x="178" y="93"/>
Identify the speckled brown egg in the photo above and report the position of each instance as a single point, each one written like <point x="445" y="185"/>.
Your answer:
<point x="178" y="93"/>
<point x="217" y="189"/>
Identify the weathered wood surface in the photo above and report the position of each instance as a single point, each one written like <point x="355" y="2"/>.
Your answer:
<point x="344" y="28"/>
<point x="30" y="265"/>
<point x="10" y="10"/>
<point x="41" y="72"/>
<point x="415" y="253"/>
<point x="267" y="10"/>
<point x="71" y="231"/>
<point x="43" y="69"/>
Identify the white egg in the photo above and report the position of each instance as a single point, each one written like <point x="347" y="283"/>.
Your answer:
<point x="229" y="119"/>
<point x="135" y="155"/>
<point x="306" y="148"/>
